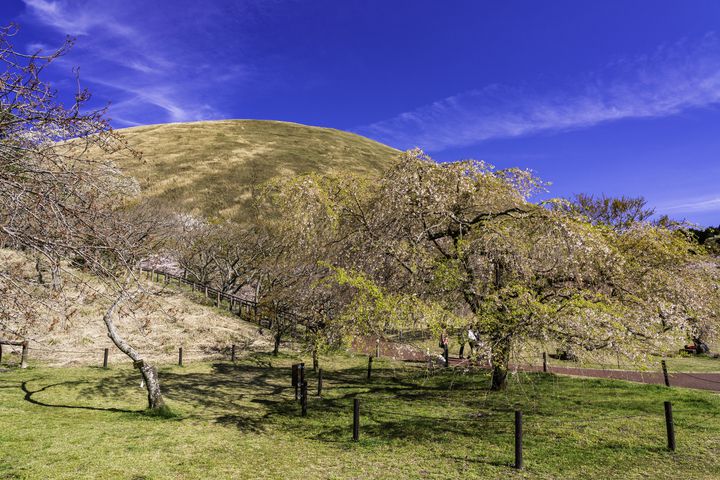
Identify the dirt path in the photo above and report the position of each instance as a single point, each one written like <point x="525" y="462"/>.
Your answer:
<point x="703" y="381"/>
<point x="407" y="352"/>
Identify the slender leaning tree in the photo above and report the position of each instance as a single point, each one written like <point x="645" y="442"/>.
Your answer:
<point x="62" y="200"/>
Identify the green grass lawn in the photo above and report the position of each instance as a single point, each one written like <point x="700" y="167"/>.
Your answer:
<point x="240" y="421"/>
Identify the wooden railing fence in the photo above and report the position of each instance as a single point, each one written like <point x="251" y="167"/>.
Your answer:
<point x="248" y="310"/>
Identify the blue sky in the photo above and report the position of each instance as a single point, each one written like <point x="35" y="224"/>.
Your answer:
<point x="615" y="97"/>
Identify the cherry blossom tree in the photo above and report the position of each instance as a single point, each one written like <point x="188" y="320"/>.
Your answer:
<point x="463" y="237"/>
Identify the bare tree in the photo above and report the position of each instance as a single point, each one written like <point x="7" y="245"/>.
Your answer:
<point x="61" y="199"/>
<point x="617" y="212"/>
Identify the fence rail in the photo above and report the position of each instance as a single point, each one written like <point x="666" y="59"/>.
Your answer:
<point x="16" y="343"/>
<point x="248" y="310"/>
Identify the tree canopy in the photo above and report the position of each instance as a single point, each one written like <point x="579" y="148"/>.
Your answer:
<point x="463" y="244"/>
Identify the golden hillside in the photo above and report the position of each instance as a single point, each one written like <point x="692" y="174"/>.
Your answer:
<point x="209" y="168"/>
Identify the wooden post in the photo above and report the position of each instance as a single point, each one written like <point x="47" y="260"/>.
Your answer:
<point x="670" y="426"/>
<point x="319" y="382"/>
<point x="23" y="355"/>
<point x="303" y="398"/>
<point x="0" y="352"/>
<point x="218" y="299"/>
<point x="301" y="374"/>
<point x="377" y="348"/>
<point x="446" y="354"/>
<point x="206" y="291"/>
<point x="665" y="373"/>
<point x="518" y="440"/>
<point x="105" y="357"/>
<point x="232" y="353"/>
<point x="356" y="419"/>
<point x="180" y="357"/>
<point x="544" y="362"/>
<point x="369" y="367"/>
<point x="295" y="376"/>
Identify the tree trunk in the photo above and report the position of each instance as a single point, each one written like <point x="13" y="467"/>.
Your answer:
<point x="500" y="346"/>
<point x="23" y="355"/>
<point x="500" y="358"/>
<point x="55" y="275"/>
<point x="148" y="371"/>
<point x="152" y="383"/>
<point x="315" y="358"/>
<point x="278" y="337"/>
<point x="38" y="269"/>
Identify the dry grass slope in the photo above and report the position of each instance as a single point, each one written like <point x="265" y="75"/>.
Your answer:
<point x="209" y="168"/>
<point x="71" y="329"/>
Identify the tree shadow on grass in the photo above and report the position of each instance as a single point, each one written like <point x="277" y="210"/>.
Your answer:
<point x="258" y="396"/>
<point x="231" y="394"/>
<point x="29" y="398"/>
<point x="483" y="461"/>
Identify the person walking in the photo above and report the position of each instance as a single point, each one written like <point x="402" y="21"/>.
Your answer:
<point x="444" y="341"/>
<point x="472" y="340"/>
<point x="462" y="340"/>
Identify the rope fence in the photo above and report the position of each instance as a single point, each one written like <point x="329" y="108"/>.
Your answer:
<point x="707" y="381"/>
<point x="643" y="373"/>
<point x="251" y="311"/>
<point x="104" y="354"/>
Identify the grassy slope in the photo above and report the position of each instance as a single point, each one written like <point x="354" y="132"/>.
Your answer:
<point x="239" y="421"/>
<point x="72" y="330"/>
<point x="208" y="167"/>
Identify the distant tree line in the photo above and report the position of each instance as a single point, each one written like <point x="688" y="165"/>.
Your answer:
<point x="708" y="238"/>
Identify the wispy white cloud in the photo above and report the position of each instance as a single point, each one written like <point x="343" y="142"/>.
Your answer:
<point x="75" y="21"/>
<point x="693" y="205"/>
<point x="163" y="97"/>
<point x="673" y="79"/>
<point x="148" y="72"/>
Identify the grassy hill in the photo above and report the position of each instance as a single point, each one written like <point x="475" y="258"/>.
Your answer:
<point x="208" y="168"/>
